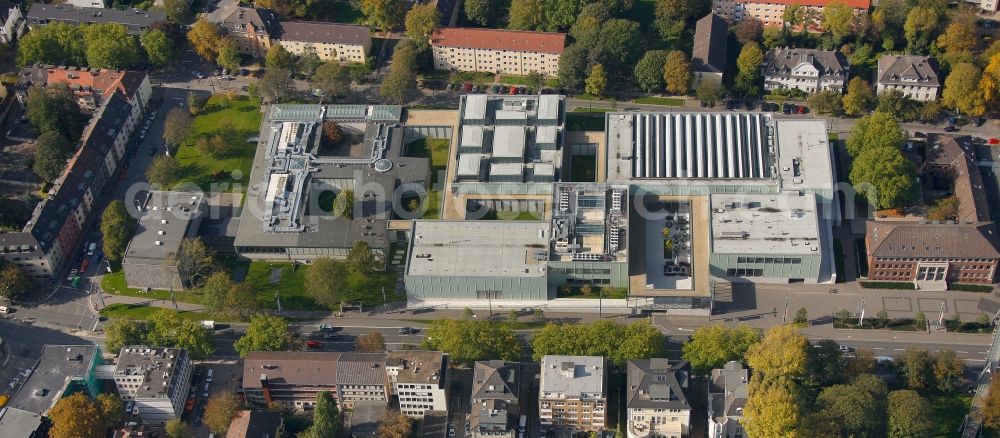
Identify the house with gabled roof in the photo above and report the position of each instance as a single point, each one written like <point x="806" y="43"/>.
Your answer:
<point x="496" y="399"/>
<point x="708" y="56"/>
<point x="808" y="70"/>
<point x="918" y="77"/>
<point x="657" y="400"/>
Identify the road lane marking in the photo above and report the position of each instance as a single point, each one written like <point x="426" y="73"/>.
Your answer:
<point x="897" y="349"/>
<point x="877" y="348"/>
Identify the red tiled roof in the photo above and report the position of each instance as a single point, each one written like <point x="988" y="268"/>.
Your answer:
<point x="856" y="4"/>
<point x="490" y="39"/>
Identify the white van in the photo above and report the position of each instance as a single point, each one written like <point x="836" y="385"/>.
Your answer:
<point x="91" y="248"/>
<point x="5" y="310"/>
<point x="209" y="378"/>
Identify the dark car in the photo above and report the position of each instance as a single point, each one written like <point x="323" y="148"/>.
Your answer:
<point x="408" y="331"/>
<point x="978" y="140"/>
<point x="787" y="108"/>
<point x="244" y="72"/>
<point x="918" y="134"/>
<point x="950" y="128"/>
<point x="978" y="121"/>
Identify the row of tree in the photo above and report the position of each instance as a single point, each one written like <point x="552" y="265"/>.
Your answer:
<point x="879" y="170"/>
<point x="165" y="328"/>
<point x="332" y="282"/>
<point x="56" y="116"/>
<point x="102" y="45"/>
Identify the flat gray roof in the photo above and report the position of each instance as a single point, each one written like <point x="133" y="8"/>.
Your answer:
<point x="573" y="376"/>
<point x="469" y="164"/>
<point x="479" y="249"/>
<point x="162" y="226"/>
<point x="475" y="107"/>
<point x="784" y="223"/>
<point x="57" y="368"/>
<point x="506" y="169"/>
<point x="804" y="154"/>
<point x="157" y="366"/>
<point x="548" y="107"/>
<point x="546" y="134"/>
<point x="509" y="141"/>
<point x="472" y="136"/>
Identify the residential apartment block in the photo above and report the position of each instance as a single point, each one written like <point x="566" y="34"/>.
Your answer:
<point x="332" y="42"/>
<point x="44" y="245"/>
<point x="657" y="402"/>
<point x="497" y="51"/>
<point x="727" y="394"/>
<point x="135" y="20"/>
<point x="918" y="77"/>
<point x="293" y="379"/>
<point x="251" y="29"/>
<point x="497" y="399"/>
<point x="156" y="379"/>
<point x="805" y="69"/>
<point x="573" y="393"/>
<point x="419" y="379"/>
<point x="708" y="57"/>
<point x="771" y="12"/>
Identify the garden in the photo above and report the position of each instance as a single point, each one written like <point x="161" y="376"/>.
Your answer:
<point x="226" y="123"/>
<point x="436" y="149"/>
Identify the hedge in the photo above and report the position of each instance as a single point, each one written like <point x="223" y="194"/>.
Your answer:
<point x="970" y="287"/>
<point x="886" y="285"/>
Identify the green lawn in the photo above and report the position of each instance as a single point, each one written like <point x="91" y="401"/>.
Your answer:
<point x="668" y="101"/>
<point x="290" y="288"/>
<point x="585" y="120"/>
<point x="949" y="411"/>
<point x="586" y="96"/>
<point x="235" y="120"/>
<point x="114" y="283"/>
<point x="583" y="168"/>
<point x="437" y="150"/>
<point x="141" y="312"/>
<point x="609" y="293"/>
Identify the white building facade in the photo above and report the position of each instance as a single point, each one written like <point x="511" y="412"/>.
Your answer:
<point x="419" y="380"/>
<point x="156" y="379"/>
<point x="497" y="51"/>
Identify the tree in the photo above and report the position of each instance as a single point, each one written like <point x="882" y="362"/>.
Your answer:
<point x="205" y="39"/>
<point x="962" y="90"/>
<point x="863" y="362"/>
<point x="343" y="204"/>
<point x="859" y="98"/>
<point x="944" y="209"/>
<point x="677" y="72"/>
<point x="910" y="415"/>
<point x="615" y="50"/>
<point x="838" y="19"/>
<point x="229" y="55"/>
<point x="781" y="352"/>
<point x="884" y="177"/>
<point x="881" y="319"/>
<point x="573" y="66"/>
<point x="384" y="14"/>
<point x="122" y="332"/>
<point x="920" y="321"/>
<point x="747" y="80"/>
<point x="824" y="365"/>
<point x="709" y="93"/>
<point x="332" y="80"/>
<point x="373" y="342"/>
<point x="878" y="129"/>
<point x="826" y="102"/>
<point x="215" y="291"/>
<point x="469" y="341"/>
<point x="166" y="328"/>
<point x="468" y="314"/>
<point x="276" y="85"/>
<point x="420" y="24"/>
<point x="219" y="412"/>
<point x="681" y="10"/>
<point x="309" y="61"/>
<point x="920" y="24"/>
<point x="958" y="37"/>
<point x="859" y="406"/>
<point x="771" y="409"/>
<point x="326" y="281"/>
<point x="512" y="317"/>
<point x="948" y="371"/>
<point x="648" y="72"/>
<point x="163" y="171"/>
<point x="893" y="101"/>
<point x="194" y="261"/>
<point x="395" y="425"/>
<point x="177" y="428"/>
<point x="326" y="418"/>
<point x="13" y="281"/>
<point x="801" y="316"/>
<point x="712" y="346"/>
<point x="586" y="290"/>
<point x="916" y="369"/>
<point x="278" y="57"/>
<point x="526" y="14"/>
<point x="176" y="126"/>
<point x="538" y="315"/>
<point x="55" y="43"/>
<point x="597" y="81"/>
<point x="479" y="11"/>
<point x="284" y="8"/>
<point x="265" y="333"/>
<point x="55" y="109"/>
<point x="110" y="406"/>
<point x="159" y="49"/>
<point x="109" y="45"/>
<point x="194" y="103"/>
<point x="117" y="227"/>
<point x="360" y="258"/>
<point x="178" y="12"/>
<point x="534" y="81"/>
<point x="51" y="152"/>
<point x="748" y="30"/>
<point x="401" y="78"/>
<point x="990" y="412"/>
<point x="76" y="416"/>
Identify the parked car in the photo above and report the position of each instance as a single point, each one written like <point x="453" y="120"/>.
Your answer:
<point x="475" y="88"/>
<point x="330" y="335"/>
<point x="993" y="141"/>
<point x="801" y="109"/>
<point x="494" y="88"/>
<point x="408" y="331"/>
<point x="950" y="128"/>
<point x="314" y="344"/>
<point x="72" y="273"/>
<point x="787" y="108"/>
<point x="845" y="349"/>
<point x="467" y="87"/>
<point x="244" y="72"/>
<point x="451" y="430"/>
<point x="198" y="74"/>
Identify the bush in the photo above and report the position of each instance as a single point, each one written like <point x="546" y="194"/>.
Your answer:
<point x="970" y="287"/>
<point x="886" y="285"/>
